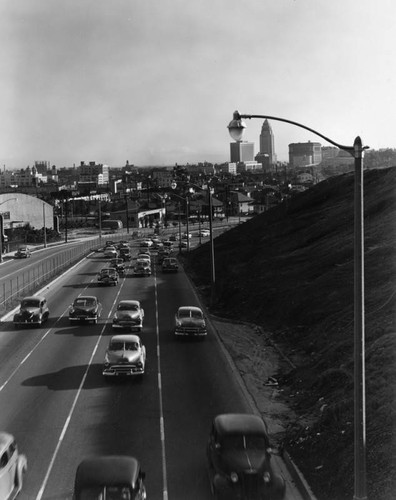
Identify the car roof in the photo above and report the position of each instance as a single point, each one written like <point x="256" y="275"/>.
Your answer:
<point x="190" y="308"/>
<point x="127" y="337"/>
<point x="86" y="297"/>
<point x="34" y="297"/>
<point x="5" y="441"/>
<point x="239" y="423"/>
<point x="107" y="471"/>
<point x="130" y="302"/>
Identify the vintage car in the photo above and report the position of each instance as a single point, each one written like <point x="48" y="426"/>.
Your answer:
<point x="110" y="252"/>
<point x="12" y="467"/>
<point x="108" y="276"/>
<point x="142" y="268"/>
<point x="85" y="308"/>
<point x="190" y="322"/>
<point x="239" y="454"/>
<point x="144" y="256"/>
<point x="170" y="265"/>
<point x="125" y="356"/>
<point x="119" y="265"/>
<point x="129" y="314"/>
<point x="125" y="254"/>
<point x="22" y="253"/>
<point x="109" y="477"/>
<point x="146" y="244"/>
<point x="33" y="311"/>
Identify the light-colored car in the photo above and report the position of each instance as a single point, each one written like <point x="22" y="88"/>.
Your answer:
<point x="142" y="268"/>
<point x="110" y="252"/>
<point x="204" y="233"/>
<point x="85" y="308"/>
<point x="144" y="256"/>
<point x="125" y="356"/>
<point x="108" y="276"/>
<point x="190" y="322"/>
<point x="129" y="314"/>
<point x="33" y="311"/>
<point x="12" y="467"/>
<point x="110" y="477"/>
<point x="146" y="244"/>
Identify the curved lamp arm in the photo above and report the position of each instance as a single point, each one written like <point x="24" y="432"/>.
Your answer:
<point x="236" y="127"/>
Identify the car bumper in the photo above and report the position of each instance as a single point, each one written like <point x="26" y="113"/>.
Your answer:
<point x="129" y="326"/>
<point x="191" y="332"/>
<point x="83" y="318"/>
<point x="27" y="322"/>
<point x="122" y="371"/>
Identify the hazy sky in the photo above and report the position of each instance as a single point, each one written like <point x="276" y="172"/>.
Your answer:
<point x="156" y="82"/>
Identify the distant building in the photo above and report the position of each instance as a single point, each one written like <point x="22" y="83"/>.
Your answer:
<point x="242" y="151"/>
<point x="94" y="173"/>
<point x="302" y="154"/>
<point x="267" y="146"/>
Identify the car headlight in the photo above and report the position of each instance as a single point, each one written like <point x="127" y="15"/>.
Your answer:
<point x="139" y="364"/>
<point x="71" y="310"/>
<point x="234" y="477"/>
<point x="267" y="477"/>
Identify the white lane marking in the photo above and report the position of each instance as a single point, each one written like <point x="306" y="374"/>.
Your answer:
<point x="162" y="423"/>
<point x="68" y="419"/>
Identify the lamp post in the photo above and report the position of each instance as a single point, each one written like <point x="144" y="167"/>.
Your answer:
<point x="236" y="128"/>
<point x="44" y="228"/>
<point x="186" y="200"/>
<point x="2" y="227"/>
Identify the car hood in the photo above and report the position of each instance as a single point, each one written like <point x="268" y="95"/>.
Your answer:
<point x="123" y="356"/>
<point x="191" y="321"/>
<point x="127" y="315"/>
<point x="28" y="311"/>
<point x="84" y="308"/>
<point x="245" y="460"/>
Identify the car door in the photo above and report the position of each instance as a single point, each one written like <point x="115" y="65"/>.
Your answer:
<point x="7" y="474"/>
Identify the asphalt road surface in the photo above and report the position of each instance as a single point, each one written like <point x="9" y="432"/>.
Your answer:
<point x="55" y="401"/>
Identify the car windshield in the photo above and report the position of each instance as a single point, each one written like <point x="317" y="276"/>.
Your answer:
<point x="187" y="313"/>
<point x="106" y="493"/>
<point x="120" y="346"/>
<point x="128" y="307"/>
<point x="30" y="303"/>
<point x="244" y="442"/>
<point x="84" y="302"/>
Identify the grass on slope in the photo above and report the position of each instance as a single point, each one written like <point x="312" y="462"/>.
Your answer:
<point x="291" y="270"/>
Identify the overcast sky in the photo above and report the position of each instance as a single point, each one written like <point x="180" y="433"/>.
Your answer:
<point x="155" y="82"/>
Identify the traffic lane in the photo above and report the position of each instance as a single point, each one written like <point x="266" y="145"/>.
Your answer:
<point x="122" y="417"/>
<point x="16" y="343"/>
<point x="198" y="383"/>
<point x="19" y="275"/>
<point x="51" y="376"/>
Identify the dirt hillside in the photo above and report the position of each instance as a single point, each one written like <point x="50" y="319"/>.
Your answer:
<point x="290" y="270"/>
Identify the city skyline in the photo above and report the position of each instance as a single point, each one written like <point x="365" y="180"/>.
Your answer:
<point x="156" y="83"/>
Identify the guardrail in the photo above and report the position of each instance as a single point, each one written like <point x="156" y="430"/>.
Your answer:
<point x="28" y="282"/>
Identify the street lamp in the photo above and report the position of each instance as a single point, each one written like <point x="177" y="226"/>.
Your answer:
<point x="186" y="200"/>
<point x="2" y="227"/>
<point x="236" y="128"/>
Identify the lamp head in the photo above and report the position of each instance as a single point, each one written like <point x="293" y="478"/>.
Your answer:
<point x="236" y="127"/>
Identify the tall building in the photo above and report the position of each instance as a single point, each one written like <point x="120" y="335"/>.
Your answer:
<point x="267" y="143"/>
<point x="302" y="154"/>
<point x="242" y="151"/>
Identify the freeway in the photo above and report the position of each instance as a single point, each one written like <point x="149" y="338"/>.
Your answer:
<point x="54" y="400"/>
